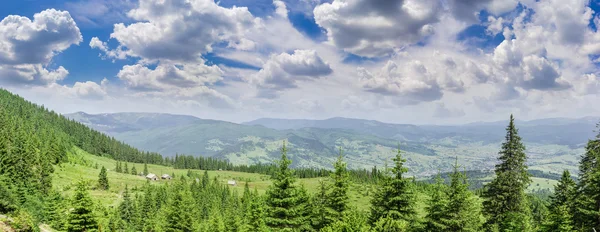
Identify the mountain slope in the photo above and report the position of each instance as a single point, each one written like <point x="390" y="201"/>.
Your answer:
<point x="561" y="131"/>
<point x="553" y="144"/>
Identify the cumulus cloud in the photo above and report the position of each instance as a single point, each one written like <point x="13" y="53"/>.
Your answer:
<point x="410" y="83"/>
<point x="468" y="10"/>
<point x="89" y="90"/>
<point x="26" y="46"/>
<point x="375" y="28"/>
<point x="166" y="76"/>
<point x="181" y="30"/>
<point x="188" y="81"/>
<point x="283" y="71"/>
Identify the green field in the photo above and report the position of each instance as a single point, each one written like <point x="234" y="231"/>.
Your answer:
<point x="81" y="166"/>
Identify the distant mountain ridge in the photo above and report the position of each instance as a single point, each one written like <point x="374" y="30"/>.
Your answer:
<point x="553" y="144"/>
<point x="564" y="131"/>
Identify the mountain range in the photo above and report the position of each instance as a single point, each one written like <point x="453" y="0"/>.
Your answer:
<point x="553" y="144"/>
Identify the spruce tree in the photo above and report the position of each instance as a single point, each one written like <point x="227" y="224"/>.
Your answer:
<point x="55" y="211"/>
<point x="256" y="218"/>
<point x="179" y="211"/>
<point x="337" y="198"/>
<point x="145" y="169"/>
<point x="562" y="205"/>
<point x="436" y="207"/>
<point x="81" y="217"/>
<point x="505" y="201"/>
<point x="125" y="169"/>
<point x="587" y="201"/>
<point x="283" y="198"/>
<point x="103" y="179"/>
<point x="394" y="199"/>
<point x="133" y="170"/>
<point x="126" y="208"/>
<point x="205" y="179"/>
<point x="463" y="211"/>
<point x="118" y="167"/>
<point x="321" y="213"/>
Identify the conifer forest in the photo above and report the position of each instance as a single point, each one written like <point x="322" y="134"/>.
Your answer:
<point x="299" y="115"/>
<point x="35" y="142"/>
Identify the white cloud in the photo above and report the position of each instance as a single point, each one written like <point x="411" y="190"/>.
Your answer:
<point x="283" y="71"/>
<point x="468" y="10"/>
<point x="410" y="82"/>
<point x="99" y="13"/>
<point x="375" y="28"/>
<point x="189" y="82"/>
<point x="89" y="90"/>
<point x="181" y="30"/>
<point x="27" y="47"/>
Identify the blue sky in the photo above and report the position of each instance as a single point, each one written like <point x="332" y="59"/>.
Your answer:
<point x="445" y="61"/>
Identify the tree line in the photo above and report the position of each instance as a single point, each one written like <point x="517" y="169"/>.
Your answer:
<point x="34" y="139"/>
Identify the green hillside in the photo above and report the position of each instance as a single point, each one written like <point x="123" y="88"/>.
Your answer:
<point x="314" y="143"/>
<point x="57" y="173"/>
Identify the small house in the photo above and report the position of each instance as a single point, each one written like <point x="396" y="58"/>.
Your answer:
<point x="231" y="182"/>
<point x="166" y="177"/>
<point x="151" y="176"/>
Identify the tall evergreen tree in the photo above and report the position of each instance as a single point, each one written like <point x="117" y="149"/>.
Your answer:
<point x="126" y="208"/>
<point x="436" y="207"/>
<point x="337" y="198"/>
<point x="587" y="201"/>
<point x="562" y="205"/>
<point x="505" y="202"/>
<point x="394" y="199"/>
<point x="81" y="217"/>
<point x="125" y="169"/>
<point x="321" y="213"/>
<point x="55" y="211"/>
<point x="133" y="170"/>
<point x="103" y="179"/>
<point x="256" y="217"/>
<point x="205" y="179"/>
<point x="179" y="212"/>
<point x="463" y="212"/>
<point x="283" y="198"/>
<point x="145" y="169"/>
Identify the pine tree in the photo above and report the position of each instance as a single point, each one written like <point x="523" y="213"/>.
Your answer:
<point x="81" y="218"/>
<point x="179" y="212"/>
<point x="463" y="212"/>
<point x="283" y="198"/>
<point x="118" y="167"/>
<point x="561" y="204"/>
<point x="322" y="215"/>
<point x="54" y="211"/>
<point x="256" y="217"/>
<point x="145" y="169"/>
<point x="125" y="169"/>
<point x="126" y="208"/>
<point x="8" y="202"/>
<point x="587" y="201"/>
<point x="394" y="200"/>
<point x="133" y="170"/>
<point x="337" y="198"/>
<point x="436" y="207"/>
<point x="505" y="202"/>
<point x="205" y="179"/>
<point x="103" y="179"/>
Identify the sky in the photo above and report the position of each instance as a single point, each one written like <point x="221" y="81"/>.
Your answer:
<point x="400" y="61"/>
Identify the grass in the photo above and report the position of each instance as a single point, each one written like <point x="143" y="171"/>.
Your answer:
<point x="81" y="166"/>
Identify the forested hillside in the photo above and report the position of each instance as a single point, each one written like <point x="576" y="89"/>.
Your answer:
<point x="37" y="145"/>
<point x="552" y="144"/>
